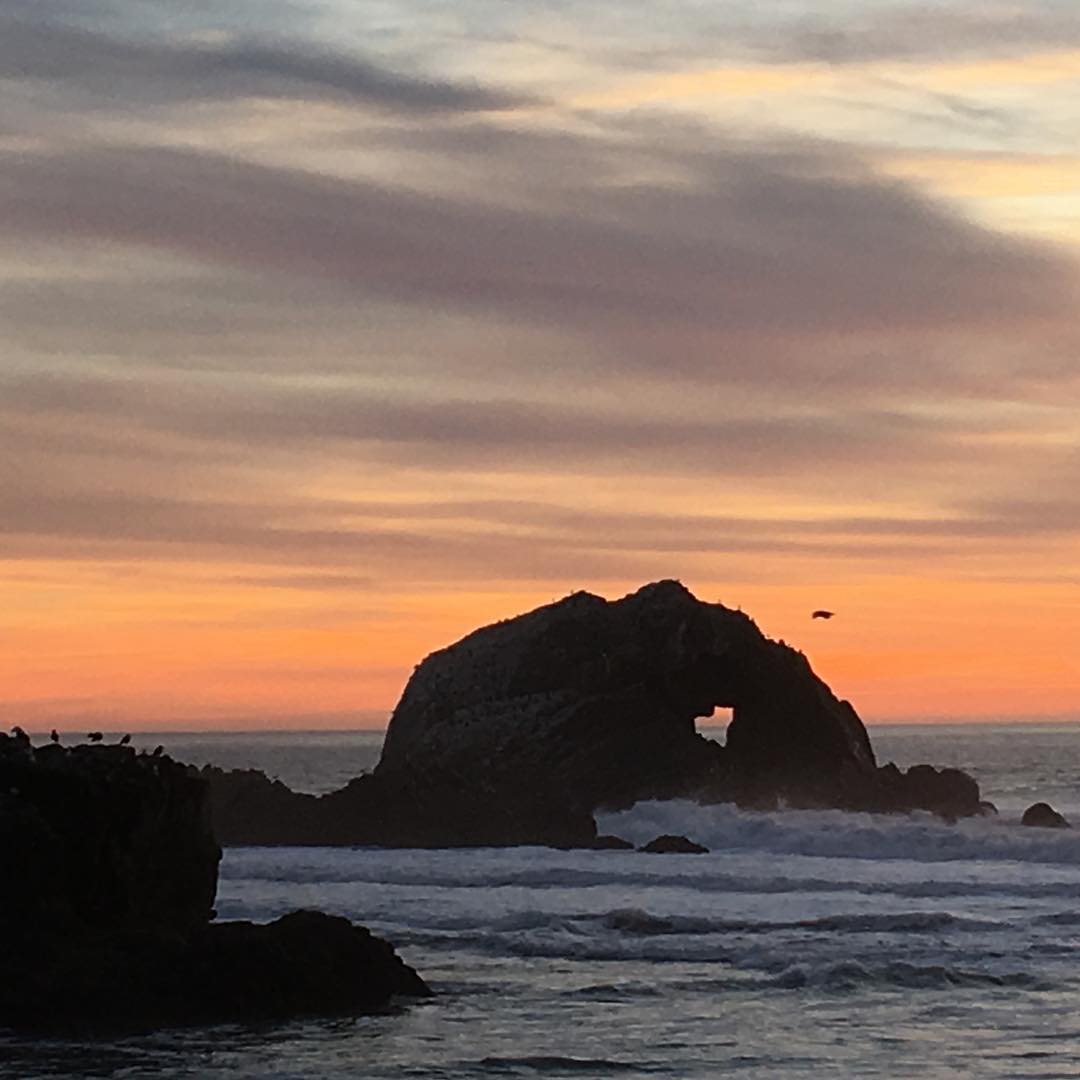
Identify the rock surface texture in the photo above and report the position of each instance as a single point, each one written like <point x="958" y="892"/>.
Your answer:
<point x="108" y="871"/>
<point x="519" y="732"/>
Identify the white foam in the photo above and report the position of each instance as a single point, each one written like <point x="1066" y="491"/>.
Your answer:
<point x="839" y="835"/>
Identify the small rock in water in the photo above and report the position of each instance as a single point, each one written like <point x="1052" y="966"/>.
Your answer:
<point x="1043" y="816"/>
<point x="606" y="842"/>
<point x="678" y="845"/>
<point x="635" y="921"/>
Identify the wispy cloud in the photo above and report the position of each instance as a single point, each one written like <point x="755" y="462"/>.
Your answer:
<point x="755" y="240"/>
<point x="95" y="69"/>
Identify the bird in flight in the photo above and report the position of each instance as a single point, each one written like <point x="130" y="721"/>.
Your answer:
<point x="822" y="614"/>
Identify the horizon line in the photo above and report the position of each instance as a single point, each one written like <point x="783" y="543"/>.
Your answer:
<point x="1054" y="719"/>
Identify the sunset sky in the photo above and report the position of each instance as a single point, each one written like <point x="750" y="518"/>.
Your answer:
<point x="332" y="330"/>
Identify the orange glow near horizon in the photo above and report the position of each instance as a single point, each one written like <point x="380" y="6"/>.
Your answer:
<point x="956" y="651"/>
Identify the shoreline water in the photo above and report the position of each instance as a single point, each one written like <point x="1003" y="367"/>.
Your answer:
<point x="805" y="943"/>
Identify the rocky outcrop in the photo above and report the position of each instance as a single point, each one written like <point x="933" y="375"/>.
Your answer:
<point x="441" y="809"/>
<point x="607" y="842"/>
<point x="949" y="793"/>
<point x="593" y="704"/>
<point x="247" y="807"/>
<point x="669" y="844"/>
<point x="588" y="703"/>
<point x="519" y="732"/>
<point x="108" y="871"/>
<point x="303" y="964"/>
<point x="97" y="837"/>
<point x="1042" y="815"/>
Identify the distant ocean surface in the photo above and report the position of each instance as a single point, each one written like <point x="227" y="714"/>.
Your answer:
<point x="804" y="944"/>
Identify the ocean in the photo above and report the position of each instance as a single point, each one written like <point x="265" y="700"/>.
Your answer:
<point x="803" y="944"/>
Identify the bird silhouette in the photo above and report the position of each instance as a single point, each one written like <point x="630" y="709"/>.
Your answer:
<point x="54" y="736"/>
<point x="822" y="614"/>
<point x="95" y="736"/>
<point x="125" y="740"/>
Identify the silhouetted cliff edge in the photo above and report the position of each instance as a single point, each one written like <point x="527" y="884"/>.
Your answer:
<point x="521" y="730"/>
<point x="108" y="871"/>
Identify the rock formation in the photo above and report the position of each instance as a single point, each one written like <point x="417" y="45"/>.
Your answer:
<point x="108" y="871"/>
<point x="668" y="844"/>
<point x="303" y="964"/>
<point x="1042" y="815"/>
<point x="593" y="704"/>
<point x="599" y="699"/>
<point x="96" y="837"/>
<point x="521" y="730"/>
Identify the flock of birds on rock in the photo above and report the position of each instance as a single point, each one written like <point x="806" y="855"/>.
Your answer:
<point x="20" y="736"/>
<point x="91" y="736"/>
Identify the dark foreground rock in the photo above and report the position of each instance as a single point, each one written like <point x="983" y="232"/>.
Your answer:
<point x="521" y="731"/>
<point x="108" y="871"/>
<point x="607" y="842"/>
<point x="673" y="845"/>
<point x="96" y="837"/>
<point x="304" y="964"/>
<point x="441" y="808"/>
<point x="1043" y="816"/>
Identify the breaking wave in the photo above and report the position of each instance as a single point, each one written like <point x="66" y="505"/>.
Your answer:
<point x="842" y="835"/>
<point x="819" y="900"/>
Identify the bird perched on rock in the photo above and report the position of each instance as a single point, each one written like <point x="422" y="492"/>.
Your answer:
<point x="95" y="736"/>
<point x="125" y="740"/>
<point x="54" y="736"/>
<point x="822" y="614"/>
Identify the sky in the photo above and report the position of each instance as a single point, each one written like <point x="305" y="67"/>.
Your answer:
<point x="332" y="330"/>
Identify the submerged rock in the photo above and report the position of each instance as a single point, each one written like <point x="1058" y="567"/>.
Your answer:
<point x="1043" y="816"/>
<point x="676" y="845"/>
<point x="636" y="921"/>
<point x="607" y="842"/>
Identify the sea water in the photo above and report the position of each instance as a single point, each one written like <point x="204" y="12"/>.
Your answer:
<point x="804" y="943"/>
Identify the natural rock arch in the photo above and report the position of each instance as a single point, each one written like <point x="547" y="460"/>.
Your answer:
<point x="595" y="702"/>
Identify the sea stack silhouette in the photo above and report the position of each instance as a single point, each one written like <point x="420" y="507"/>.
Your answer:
<point x="522" y="730"/>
